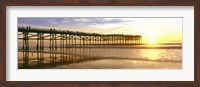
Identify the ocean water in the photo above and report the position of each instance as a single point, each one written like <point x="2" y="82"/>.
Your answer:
<point x="110" y="57"/>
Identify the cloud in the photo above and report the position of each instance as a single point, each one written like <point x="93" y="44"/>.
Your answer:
<point x="69" y="21"/>
<point x="99" y="21"/>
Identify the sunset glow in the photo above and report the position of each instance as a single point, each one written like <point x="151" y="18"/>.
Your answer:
<point x="152" y="30"/>
<point x="152" y="41"/>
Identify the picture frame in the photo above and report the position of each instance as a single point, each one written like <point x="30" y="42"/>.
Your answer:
<point x="4" y="83"/>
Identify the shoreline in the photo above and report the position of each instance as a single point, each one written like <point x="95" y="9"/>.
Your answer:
<point x="119" y="47"/>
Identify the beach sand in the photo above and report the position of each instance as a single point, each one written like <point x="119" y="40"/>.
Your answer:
<point x="122" y="64"/>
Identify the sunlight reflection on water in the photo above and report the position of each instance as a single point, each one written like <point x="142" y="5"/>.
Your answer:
<point x="151" y="54"/>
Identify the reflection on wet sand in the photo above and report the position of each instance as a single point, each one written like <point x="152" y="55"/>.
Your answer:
<point x="41" y="59"/>
<point x="99" y="58"/>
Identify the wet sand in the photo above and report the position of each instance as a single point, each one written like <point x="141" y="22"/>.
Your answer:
<point x="122" y="64"/>
<point x="101" y="58"/>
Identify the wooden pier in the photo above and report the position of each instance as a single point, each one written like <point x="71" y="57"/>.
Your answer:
<point x="66" y="40"/>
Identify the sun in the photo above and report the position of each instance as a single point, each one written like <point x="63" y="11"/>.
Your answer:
<point x="152" y="41"/>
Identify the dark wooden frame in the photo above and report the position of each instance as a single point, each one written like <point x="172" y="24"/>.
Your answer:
<point x="4" y="83"/>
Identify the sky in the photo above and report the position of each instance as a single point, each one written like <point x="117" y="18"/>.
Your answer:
<point x="152" y="30"/>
